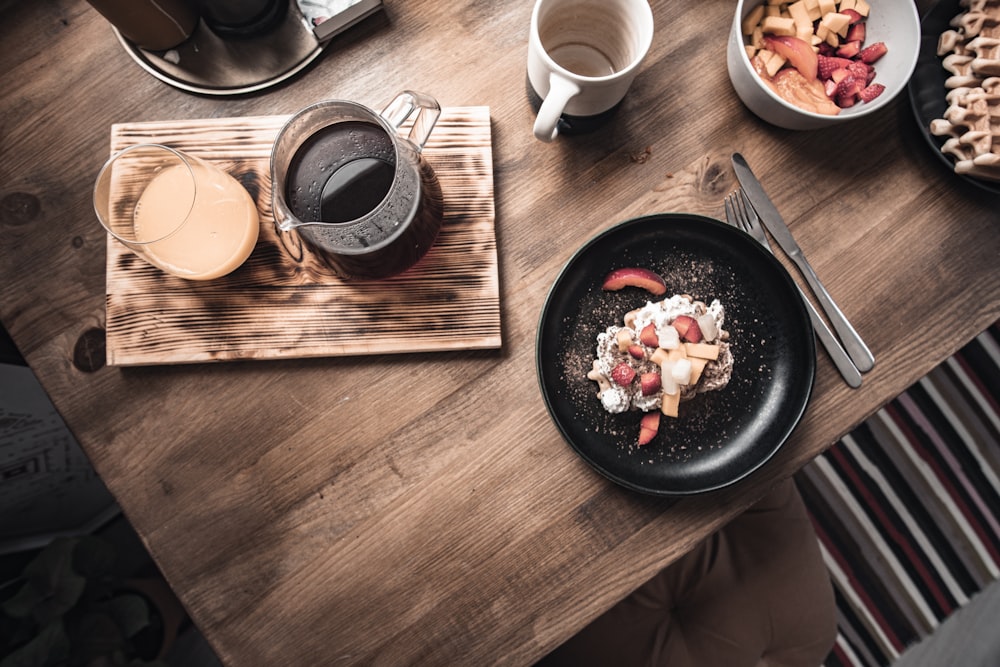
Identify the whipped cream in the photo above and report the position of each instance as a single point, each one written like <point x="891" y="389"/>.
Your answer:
<point x="616" y="398"/>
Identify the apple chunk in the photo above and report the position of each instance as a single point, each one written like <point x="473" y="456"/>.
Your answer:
<point x="635" y="277"/>
<point x="796" y="51"/>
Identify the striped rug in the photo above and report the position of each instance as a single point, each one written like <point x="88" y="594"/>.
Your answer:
<point x="907" y="507"/>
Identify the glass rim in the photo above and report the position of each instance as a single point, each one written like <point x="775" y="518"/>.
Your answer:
<point x="183" y="158"/>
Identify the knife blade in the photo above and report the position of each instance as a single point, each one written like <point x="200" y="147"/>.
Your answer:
<point x="833" y="347"/>
<point x="853" y="344"/>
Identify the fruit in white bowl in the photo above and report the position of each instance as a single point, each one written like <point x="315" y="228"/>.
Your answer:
<point x="813" y="63"/>
<point x="787" y="41"/>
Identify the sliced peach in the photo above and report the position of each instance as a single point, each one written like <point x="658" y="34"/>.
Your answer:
<point x="796" y="51"/>
<point x="679" y="352"/>
<point x="659" y="356"/>
<point x="697" y="368"/>
<point x="635" y="277"/>
<point x="669" y="403"/>
<point x="702" y="350"/>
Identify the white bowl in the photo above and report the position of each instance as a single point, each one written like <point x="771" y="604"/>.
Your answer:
<point x="895" y="22"/>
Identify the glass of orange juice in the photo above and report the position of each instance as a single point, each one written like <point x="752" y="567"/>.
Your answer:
<point x="176" y="211"/>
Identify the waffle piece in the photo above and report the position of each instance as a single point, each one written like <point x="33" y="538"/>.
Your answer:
<point x="970" y="53"/>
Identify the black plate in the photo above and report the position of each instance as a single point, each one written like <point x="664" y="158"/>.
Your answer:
<point x="720" y="437"/>
<point x="927" y="89"/>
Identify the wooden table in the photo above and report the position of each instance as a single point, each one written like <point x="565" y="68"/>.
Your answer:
<point x="422" y="508"/>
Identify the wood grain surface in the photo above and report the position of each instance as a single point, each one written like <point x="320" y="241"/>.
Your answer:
<point x="286" y="301"/>
<point x="422" y="508"/>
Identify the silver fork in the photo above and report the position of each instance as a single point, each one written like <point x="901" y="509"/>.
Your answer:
<point x="740" y="213"/>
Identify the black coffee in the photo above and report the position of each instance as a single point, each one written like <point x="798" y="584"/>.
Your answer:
<point x="355" y="189"/>
<point x="340" y="173"/>
<point x="346" y="170"/>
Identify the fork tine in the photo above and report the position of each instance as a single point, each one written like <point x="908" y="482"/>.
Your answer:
<point x="730" y="211"/>
<point x="741" y="210"/>
<point x="749" y="222"/>
<point x="734" y="200"/>
<point x="752" y="218"/>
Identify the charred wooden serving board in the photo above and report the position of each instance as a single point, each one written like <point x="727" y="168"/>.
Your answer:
<point x="284" y="301"/>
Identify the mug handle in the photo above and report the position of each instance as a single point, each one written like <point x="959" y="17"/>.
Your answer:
<point x="560" y="92"/>
<point x="405" y="105"/>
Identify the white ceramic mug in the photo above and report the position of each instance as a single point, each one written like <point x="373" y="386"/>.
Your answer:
<point x="583" y="55"/>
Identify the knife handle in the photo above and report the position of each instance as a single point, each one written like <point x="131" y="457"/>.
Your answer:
<point x="856" y="349"/>
<point x="837" y="354"/>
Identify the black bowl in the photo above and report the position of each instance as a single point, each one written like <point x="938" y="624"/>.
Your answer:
<point x="926" y="86"/>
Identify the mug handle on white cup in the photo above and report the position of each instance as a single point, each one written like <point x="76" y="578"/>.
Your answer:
<point x="561" y="90"/>
<point x="407" y="103"/>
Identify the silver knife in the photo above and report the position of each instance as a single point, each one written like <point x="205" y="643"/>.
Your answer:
<point x="837" y="354"/>
<point x="855" y="347"/>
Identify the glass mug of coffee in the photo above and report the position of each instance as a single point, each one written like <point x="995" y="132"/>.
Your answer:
<point x="179" y="213"/>
<point x="354" y="188"/>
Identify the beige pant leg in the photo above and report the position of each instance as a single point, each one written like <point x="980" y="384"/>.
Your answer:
<point x="754" y="594"/>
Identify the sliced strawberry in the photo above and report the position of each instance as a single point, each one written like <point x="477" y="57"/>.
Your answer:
<point x="855" y="16"/>
<point x="650" y="383"/>
<point x="637" y="352"/>
<point x="830" y="87"/>
<point x="859" y="69"/>
<point x="846" y="101"/>
<point x="850" y="86"/>
<point x="827" y="49"/>
<point x="849" y="49"/>
<point x="688" y="328"/>
<point x="681" y="323"/>
<point x="623" y="374"/>
<point x="871" y="92"/>
<point x="648" y="426"/>
<point x="838" y="75"/>
<point x="856" y="33"/>
<point x="693" y="334"/>
<point x="873" y="52"/>
<point x="847" y="91"/>
<point x="648" y="336"/>
<point x="862" y="72"/>
<point x="827" y="65"/>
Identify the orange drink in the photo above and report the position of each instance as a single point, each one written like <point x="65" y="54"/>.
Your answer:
<point x="179" y="213"/>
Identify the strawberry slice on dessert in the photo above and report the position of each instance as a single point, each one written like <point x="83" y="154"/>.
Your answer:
<point x="648" y="336"/>
<point x="650" y="383"/>
<point x="622" y="374"/>
<point x="688" y="328"/>
<point x="648" y="426"/>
